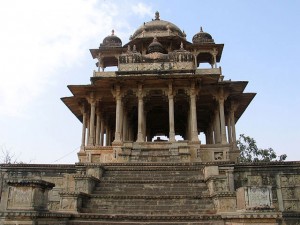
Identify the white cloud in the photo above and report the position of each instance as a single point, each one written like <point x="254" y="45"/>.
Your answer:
<point x="142" y="10"/>
<point x="40" y="37"/>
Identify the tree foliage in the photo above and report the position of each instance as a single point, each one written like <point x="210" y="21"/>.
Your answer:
<point x="251" y="153"/>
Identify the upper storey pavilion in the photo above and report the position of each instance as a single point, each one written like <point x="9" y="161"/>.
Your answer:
<point x="158" y="89"/>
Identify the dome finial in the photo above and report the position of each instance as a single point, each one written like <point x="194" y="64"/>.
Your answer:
<point x="112" y="32"/>
<point x="156" y="15"/>
<point x="201" y="30"/>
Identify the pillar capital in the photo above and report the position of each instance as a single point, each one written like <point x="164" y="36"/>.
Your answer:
<point x="220" y="94"/>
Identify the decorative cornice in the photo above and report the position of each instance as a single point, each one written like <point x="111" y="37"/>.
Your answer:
<point x="73" y="194"/>
<point x="31" y="183"/>
<point x="131" y="164"/>
<point x="206" y="217"/>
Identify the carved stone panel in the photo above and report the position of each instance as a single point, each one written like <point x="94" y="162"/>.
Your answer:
<point x="254" y="198"/>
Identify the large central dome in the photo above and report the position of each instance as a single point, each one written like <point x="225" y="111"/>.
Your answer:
<point x="159" y="28"/>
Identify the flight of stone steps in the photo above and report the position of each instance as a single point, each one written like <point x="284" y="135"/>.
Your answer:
<point x="156" y="192"/>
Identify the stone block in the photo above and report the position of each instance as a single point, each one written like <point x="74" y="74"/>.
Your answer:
<point x="28" y="194"/>
<point x="210" y="171"/>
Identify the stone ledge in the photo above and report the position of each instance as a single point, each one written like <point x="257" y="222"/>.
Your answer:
<point x="73" y="194"/>
<point x="224" y="194"/>
<point x="158" y="164"/>
<point x="147" y="218"/>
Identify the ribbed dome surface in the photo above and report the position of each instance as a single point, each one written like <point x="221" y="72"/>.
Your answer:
<point x="157" y="27"/>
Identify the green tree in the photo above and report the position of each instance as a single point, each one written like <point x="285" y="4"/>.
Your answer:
<point x="251" y="153"/>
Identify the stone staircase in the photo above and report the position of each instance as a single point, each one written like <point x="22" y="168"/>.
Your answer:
<point x="157" y="194"/>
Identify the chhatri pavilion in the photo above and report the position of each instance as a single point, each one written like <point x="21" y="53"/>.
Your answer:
<point x="158" y="88"/>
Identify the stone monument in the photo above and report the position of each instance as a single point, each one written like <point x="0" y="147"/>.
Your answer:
<point x="141" y="160"/>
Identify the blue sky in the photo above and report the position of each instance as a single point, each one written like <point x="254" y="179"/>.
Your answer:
<point x="44" y="46"/>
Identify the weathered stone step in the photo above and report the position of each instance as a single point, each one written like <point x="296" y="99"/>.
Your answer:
<point x="152" y="167"/>
<point x="151" y="185"/>
<point x="139" y="211"/>
<point x="150" y="177"/>
<point x="160" y="203"/>
<point x="115" y="219"/>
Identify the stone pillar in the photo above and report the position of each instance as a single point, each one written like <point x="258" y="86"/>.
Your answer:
<point x="214" y="53"/>
<point x="92" y="122"/>
<point x="98" y="124"/>
<point x="217" y="127"/>
<point x="171" y="114"/>
<point x="211" y="133"/>
<point x="83" y="127"/>
<point x="232" y="121"/>
<point x="229" y="129"/>
<point x="220" y="96"/>
<point x="194" y="131"/>
<point x="140" y="96"/>
<point x="125" y="128"/>
<point x="106" y="136"/>
<point x="144" y="125"/>
<point x="102" y="132"/>
<point x="118" y="114"/>
<point x="222" y="120"/>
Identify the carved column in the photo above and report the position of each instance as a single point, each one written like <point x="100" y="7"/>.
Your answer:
<point x="121" y="120"/>
<point x="222" y="117"/>
<point x="98" y="124"/>
<point x="140" y="96"/>
<point x="118" y="112"/>
<point x="106" y="136"/>
<point x="171" y="114"/>
<point x="211" y="133"/>
<point x="194" y="131"/>
<point x="83" y="111"/>
<point x="92" y="121"/>
<point x="125" y="126"/>
<point x="214" y="53"/>
<point x="102" y="132"/>
<point x="229" y="129"/>
<point x="217" y="130"/>
<point x="232" y="121"/>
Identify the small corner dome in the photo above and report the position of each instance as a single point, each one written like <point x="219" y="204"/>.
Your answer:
<point x="203" y="38"/>
<point x="111" y="41"/>
<point x="157" y="27"/>
<point x="155" y="46"/>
